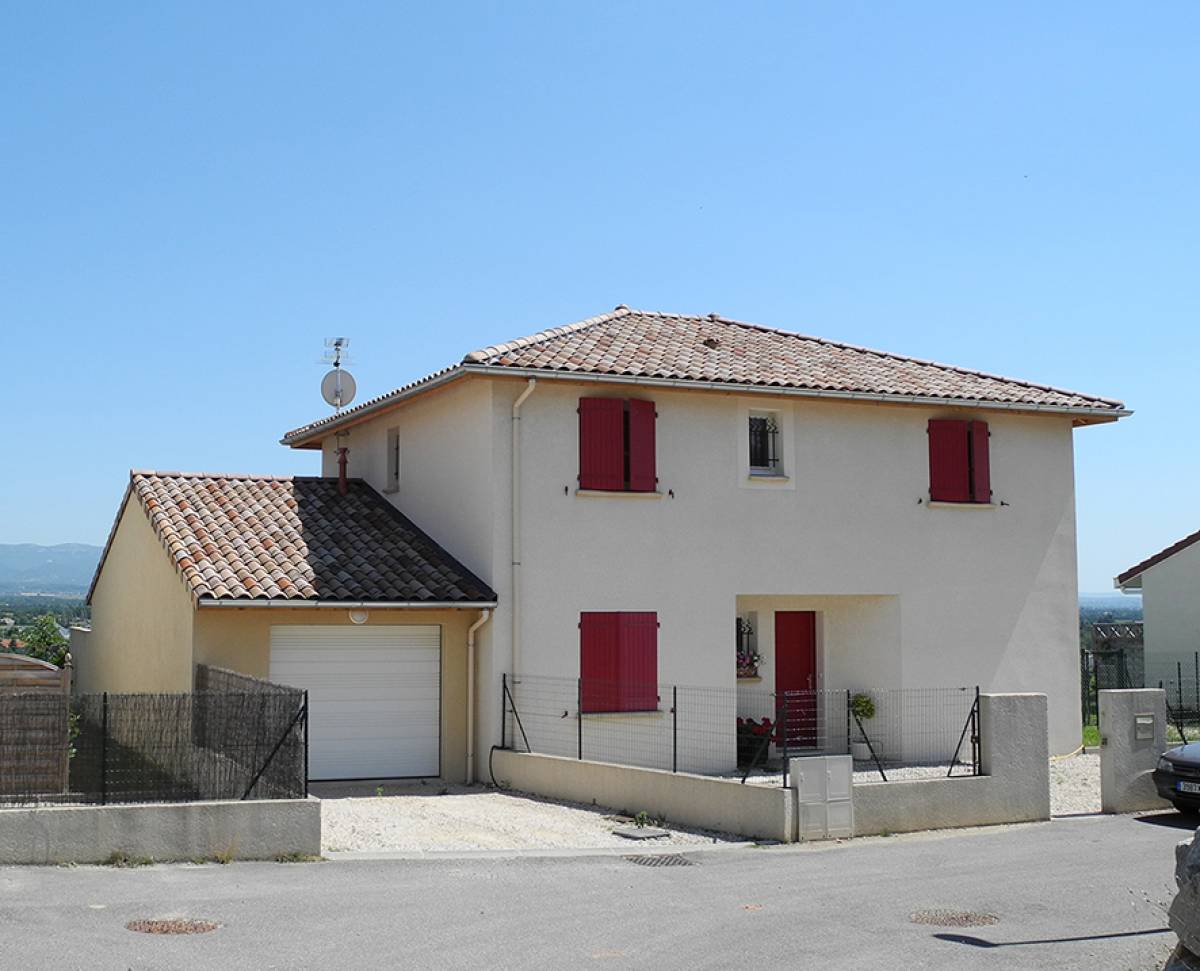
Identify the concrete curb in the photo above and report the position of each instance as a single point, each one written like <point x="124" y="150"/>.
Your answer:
<point x="634" y="849"/>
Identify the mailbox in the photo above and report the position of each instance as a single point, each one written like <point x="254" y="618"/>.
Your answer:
<point x="1143" y="727"/>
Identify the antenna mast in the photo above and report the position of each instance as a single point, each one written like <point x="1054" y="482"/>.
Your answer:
<point x="338" y="388"/>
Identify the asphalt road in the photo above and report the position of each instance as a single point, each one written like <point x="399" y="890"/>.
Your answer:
<point x="1078" y="893"/>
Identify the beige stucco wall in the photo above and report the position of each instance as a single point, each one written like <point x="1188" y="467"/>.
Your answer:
<point x="945" y="596"/>
<point x="141" y="637"/>
<point x="240" y="639"/>
<point x="1171" y="613"/>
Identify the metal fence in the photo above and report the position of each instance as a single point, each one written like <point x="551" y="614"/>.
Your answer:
<point x="125" y="748"/>
<point x="743" y="730"/>
<point x="1178" y="676"/>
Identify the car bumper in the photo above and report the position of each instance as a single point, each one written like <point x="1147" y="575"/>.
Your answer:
<point x="1167" y="784"/>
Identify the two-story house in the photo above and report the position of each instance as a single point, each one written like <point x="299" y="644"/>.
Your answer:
<point x="615" y="501"/>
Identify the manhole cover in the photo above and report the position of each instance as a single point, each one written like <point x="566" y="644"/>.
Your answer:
<point x="660" y="859"/>
<point x="953" y="918"/>
<point x="173" y="925"/>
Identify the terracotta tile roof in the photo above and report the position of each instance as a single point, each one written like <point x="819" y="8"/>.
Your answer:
<point x="235" y="537"/>
<point x="1139" y="569"/>
<point x="716" y="350"/>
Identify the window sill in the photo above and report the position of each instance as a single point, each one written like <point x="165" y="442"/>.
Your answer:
<point x="940" y="504"/>
<point x="390" y="490"/>
<point x="648" y="713"/>
<point x="750" y="679"/>
<point x="615" y="494"/>
<point x="767" y="477"/>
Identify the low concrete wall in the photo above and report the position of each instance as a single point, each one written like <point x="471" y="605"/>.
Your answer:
<point x="1126" y="761"/>
<point x="1015" y="786"/>
<point x="250" y="830"/>
<point x="757" y="812"/>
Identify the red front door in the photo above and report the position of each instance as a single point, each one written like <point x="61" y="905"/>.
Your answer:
<point x="796" y="677"/>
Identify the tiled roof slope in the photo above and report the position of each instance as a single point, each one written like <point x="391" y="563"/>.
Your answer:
<point x="716" y="350"/>
<point x="713" y="348"/>
<point x="1136" y="571"/>
<point x="249" y="538"/>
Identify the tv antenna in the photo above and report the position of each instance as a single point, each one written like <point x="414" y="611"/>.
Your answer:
<point x="337" y="387"/>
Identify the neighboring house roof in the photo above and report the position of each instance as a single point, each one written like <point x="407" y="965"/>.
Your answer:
<point x="244" y="538"/>
<point x="12" y="644"/>
<point x="650" y="347"/>
<point x="1134" y="573"/>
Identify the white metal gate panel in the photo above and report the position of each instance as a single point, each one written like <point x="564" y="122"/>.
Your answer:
<point x="374" y="696"/>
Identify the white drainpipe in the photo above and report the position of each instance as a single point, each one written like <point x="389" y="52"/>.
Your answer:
<point x="516" y="525"/>
<point x="484" y="617"/>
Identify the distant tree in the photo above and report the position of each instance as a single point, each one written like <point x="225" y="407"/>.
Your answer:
<point x="43" y="640"/>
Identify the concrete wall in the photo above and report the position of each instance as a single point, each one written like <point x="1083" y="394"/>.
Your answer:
<point x="1171" y="614"/>
<point x="245" y="830"/>
<point x="240" y="639"/>
<point x="757" y="812"/>
<point x="979" y="595"/>
<point x="1127" y="761"/>
<point x="141" y="637"/>
<point x="1015" y="786"/>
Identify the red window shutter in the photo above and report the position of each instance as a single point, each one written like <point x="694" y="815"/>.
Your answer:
<point x="949" y="468"/>
<point x="599" y="657"/>
<point x="642" y="473"/>
<point x="639" y="661"/>
<point x="601" y="443"/>
<point x="981" y="473"/>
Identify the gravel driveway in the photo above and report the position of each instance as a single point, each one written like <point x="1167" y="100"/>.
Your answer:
<point x="1075" y="785"/>
<point x="418" y="818"/>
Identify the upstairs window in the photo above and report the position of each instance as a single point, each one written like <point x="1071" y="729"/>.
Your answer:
<point x="618" y="661"/>
<point x="393" y="461"/>
<point x="959" y="461"/>
<point x="616" y="445"/>
<point x="765" y="455"/>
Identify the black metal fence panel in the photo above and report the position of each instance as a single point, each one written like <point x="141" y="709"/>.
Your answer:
<point x="127" y="748"/>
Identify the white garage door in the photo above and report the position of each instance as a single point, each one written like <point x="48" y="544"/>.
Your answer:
<point x="374" y="696"/>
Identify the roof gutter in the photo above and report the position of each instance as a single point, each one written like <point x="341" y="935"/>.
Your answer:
<point x="771" y="389"/>
<point x="301" y="436"/>
<point x="355" y="604"/>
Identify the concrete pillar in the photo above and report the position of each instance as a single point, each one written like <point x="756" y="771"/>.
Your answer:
<point x="1133" y="734"/>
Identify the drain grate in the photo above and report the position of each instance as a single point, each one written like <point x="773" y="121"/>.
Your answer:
<point x="953" y="918"/>
<point x="660" y="859"/>
<point x="173" y="925"/>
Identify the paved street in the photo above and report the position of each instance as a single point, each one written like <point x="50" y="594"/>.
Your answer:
<point x="1075" y="893"/>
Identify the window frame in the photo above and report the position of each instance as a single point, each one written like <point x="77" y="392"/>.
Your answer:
<point x="774" y="443"/>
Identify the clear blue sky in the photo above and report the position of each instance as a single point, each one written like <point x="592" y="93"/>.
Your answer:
<point x="192" y="197"/>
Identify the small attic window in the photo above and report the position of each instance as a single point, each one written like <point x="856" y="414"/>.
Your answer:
<point x="711" y="343"/>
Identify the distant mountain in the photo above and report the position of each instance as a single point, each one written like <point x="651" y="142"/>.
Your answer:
<point x="64" y="569"/>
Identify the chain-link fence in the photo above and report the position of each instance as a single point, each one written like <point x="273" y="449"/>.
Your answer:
<point x="743" y="730"/>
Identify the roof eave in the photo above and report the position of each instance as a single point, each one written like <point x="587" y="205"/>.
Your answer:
<point x="1097" y="414"/>
<point x="348" y="604"/>
<point x="310" y="437"/>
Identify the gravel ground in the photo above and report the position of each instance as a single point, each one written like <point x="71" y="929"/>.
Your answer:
<point x="1075" y="785"/>
<point x="437" y="817"/>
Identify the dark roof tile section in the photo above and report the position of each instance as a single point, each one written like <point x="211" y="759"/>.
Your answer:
<point x="1157" y="558"/>
<point x="713" y="349"/>
<point x="297" y="538"/>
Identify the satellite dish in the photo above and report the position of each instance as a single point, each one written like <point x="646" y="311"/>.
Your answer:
<point x="337" y="388"/>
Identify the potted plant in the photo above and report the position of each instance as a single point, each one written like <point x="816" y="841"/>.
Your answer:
<point x="750" y="735"/>
<point x="748" y="659"/>
<point x="862" y="706"/>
